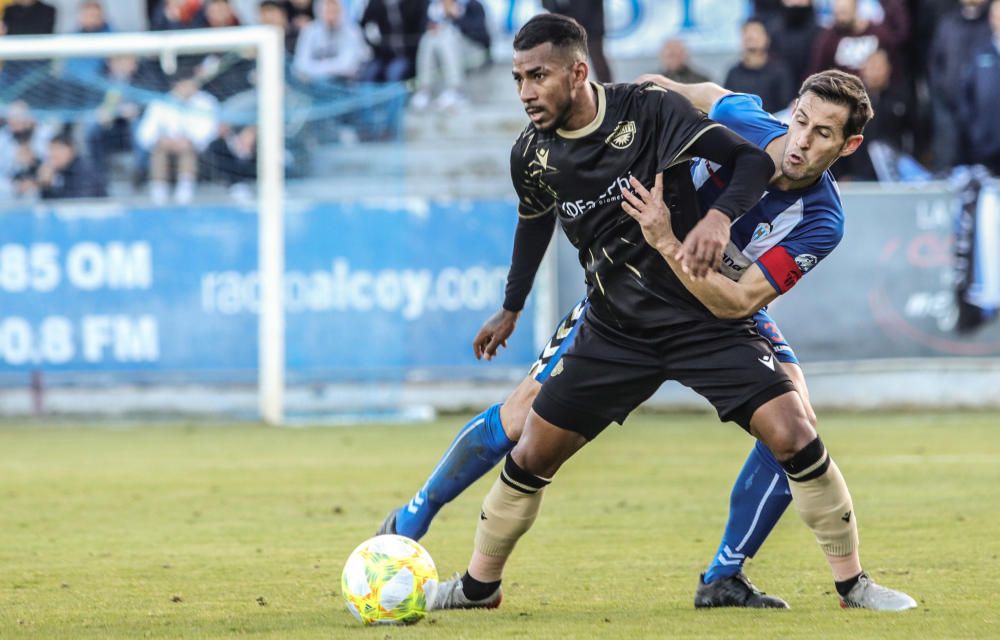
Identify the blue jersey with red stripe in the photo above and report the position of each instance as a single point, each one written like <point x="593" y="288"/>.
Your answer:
<point x="787" y="232"/>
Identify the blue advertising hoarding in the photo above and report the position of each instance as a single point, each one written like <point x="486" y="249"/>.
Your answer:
<point x="373" y="289"/>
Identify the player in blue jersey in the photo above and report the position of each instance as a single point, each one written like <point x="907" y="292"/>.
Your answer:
<point x="794" y="226"/>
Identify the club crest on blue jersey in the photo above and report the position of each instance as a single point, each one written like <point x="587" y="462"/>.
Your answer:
<point x="762" y="230"/>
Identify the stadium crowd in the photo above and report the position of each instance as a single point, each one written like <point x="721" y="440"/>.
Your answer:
<point x="932" y="68"/>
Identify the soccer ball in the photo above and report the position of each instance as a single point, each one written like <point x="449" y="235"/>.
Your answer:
<point x="389" y="580"/>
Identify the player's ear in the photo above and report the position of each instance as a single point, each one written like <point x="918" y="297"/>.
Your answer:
<point x="580" y="72"/>
<point x="851" y="145"/>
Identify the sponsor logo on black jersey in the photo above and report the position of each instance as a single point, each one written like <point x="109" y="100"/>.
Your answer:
<point x="622" y="136"/>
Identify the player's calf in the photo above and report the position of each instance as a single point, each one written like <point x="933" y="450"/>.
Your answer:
<point x="509" y="510"/>
<point x="821" y="496"/>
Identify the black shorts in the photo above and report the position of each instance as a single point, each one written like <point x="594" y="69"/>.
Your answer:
<point x="606" y="374"/>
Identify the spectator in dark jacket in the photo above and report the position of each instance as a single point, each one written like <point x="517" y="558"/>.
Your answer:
<point x="28" y="18"/>
<point x="674" y="63"/>
<point x="981" y="97"/>
<point x="393" y="29"/>
<point x="892" y="124"/>
<point x="276" y="14"/>
<point x="66" y="174"/>
<point x="232" y="157"/>
<point x="25" y="18"/>
<point x="851" y="40"/>
<point x="758" y="73"/>
<point x="792" y="36"/>
<point x="958" y="34"/>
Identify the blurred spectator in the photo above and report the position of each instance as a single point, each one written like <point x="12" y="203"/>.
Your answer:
<point x="393" y="29"/>
<point x="117" y="115"/>
<point x="90" y="19"/>
<point x="224" y="74"/>
<point x="330" y="48"/>
<point x="177" y="127"/>
<point x="21" y="18"/>
<point x="758" y="73"/>
<point x="23" y="143"/>
<point x="275" y="13"/>
<point x="65" y="173"/>
<point x="769" y="12"/>
<point x="28" y="17"/>
<point x="456" y="39"/>
<point x="925" y="16"/>
<point x="219" y="14"/>
<point x="590" y="15"/>
<point x="674" y="63"/>
<point x="792" y="36"/>
<point x="981" y="97"/>
<point x="851" y="40"/>
<point x="300" y="14"/>
<point x="959" y="33"/>
<point x="232" y="159"/>
<point x="178" y="14"/>
<point x="891" y="126"/>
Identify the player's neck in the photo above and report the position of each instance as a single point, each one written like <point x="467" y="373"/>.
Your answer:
<point x="585" y="109"/>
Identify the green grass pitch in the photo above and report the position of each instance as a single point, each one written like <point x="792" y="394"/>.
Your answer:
<point x="205" y="531"/>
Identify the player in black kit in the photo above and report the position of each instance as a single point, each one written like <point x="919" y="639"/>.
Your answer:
<point x="643" y="327"/>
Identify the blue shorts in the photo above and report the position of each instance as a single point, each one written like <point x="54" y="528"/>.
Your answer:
<point x="568" y="326"/>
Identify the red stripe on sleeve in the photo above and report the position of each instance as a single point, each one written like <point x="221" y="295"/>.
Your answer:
<point x="780" y="268"/>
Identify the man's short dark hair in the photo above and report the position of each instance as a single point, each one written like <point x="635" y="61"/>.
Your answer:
<point x="63" y="138"/>
<point x="845" y="89"/>
<point x="562" y="32"/>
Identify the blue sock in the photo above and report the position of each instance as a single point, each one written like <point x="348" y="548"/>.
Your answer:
<point x="477" y="448"/>
<point x="759" y="497"/>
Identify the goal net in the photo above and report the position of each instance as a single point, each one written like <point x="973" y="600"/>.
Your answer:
<point x="193" y="226"/>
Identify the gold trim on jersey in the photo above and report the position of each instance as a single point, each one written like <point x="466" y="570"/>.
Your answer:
<point x="680" y="157"/>
<point x="602" y="104"/>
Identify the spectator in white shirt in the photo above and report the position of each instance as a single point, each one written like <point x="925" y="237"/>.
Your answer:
<point x="179" y="126"/>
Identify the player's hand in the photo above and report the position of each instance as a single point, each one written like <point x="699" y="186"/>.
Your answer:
<point x="651" y="212"/>
<point x="702" y="249"/>
<point x="494" y="333"/>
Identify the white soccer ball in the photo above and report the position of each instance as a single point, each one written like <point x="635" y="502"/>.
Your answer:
<point x="389" y="579"/>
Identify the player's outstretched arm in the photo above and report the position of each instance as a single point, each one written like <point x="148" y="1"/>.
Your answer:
<point x="494" y="333"/>
<point x="702" y="95"/>
<point x="531" y="239"/>
<point x="723" y="297"/>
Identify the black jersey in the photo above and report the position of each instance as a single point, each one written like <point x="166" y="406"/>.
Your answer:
<point x="578" y="177"/>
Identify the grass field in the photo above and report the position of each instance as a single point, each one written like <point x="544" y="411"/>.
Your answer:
<point x="202" y="531"/>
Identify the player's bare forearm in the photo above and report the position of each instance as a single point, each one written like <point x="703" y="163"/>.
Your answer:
<point x="702" y="95"/>
<point x="724" y="298"/>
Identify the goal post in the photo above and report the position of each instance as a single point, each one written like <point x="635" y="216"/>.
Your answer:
<point x="268" y="44"/>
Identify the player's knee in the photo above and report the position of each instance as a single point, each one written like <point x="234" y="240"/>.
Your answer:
<point x="534" y="459"/>
<point x="515" y="408"/>
<point x="791" y="436"/>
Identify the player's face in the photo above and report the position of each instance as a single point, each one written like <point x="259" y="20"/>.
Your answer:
<point x="547" y="81"/>
<point x="815" y="138"/>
